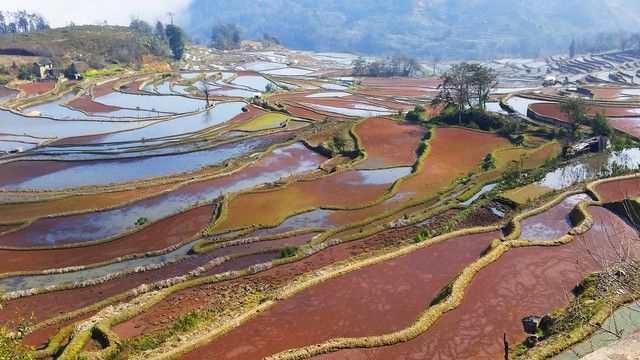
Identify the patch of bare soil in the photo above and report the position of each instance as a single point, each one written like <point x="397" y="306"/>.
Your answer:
<point x="483" y="215"/>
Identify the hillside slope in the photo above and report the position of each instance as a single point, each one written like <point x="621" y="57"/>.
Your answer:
<point x="90" y="46"/>
<point x="452" y="29"/>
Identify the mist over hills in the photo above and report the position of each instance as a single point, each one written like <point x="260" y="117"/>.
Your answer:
<point x="443" y="29"/>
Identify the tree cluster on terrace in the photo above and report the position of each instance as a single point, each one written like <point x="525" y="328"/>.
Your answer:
<point x="466" y="86"/>
<point x="576" y="111"/>
<point x="399" y="65"/>
<point x="269" y="39"/>
<point x="227" y="36"/>
<point x="604" y="41"/>
<point x="21" y="21"/>
<point x="162" y="41"/>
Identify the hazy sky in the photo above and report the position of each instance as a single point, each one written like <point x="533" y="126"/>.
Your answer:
<point x="117" y="12"/>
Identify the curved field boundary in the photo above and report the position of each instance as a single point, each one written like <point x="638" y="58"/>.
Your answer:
<point x="413" y="331"/>
<point x="361" y="156"/>
<point x="196" y="179"/>
<point x="131" y="256"/>
<point x="497" y="248"/>
<point x="440" y="238"/>
<point x="478" y="186"/>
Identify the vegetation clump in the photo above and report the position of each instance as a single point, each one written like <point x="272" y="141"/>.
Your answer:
<point x="227" y="36"/>
<point x="423" y="235"/>
<point x="176" y="38"/>
<point x="288" y="251"/>
<point x="400" y="65"/>
<point x="465" y="84"/>
<point x="417" y="114"/>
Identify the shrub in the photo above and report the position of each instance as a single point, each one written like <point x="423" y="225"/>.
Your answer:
<point x="187" y="321"/>
<point x="287" y="251"/>
<point x="71" y="71"/>
<point x="422" y="236"/>
<point x="24" y="73"/>
<point x="418" y="114"/>
<point x="488" y="162"/>
<point x="141" y="221"/>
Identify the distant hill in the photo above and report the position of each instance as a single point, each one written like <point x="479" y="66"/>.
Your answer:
<point x="446" y="29"/>
<point x="90" y="46"/>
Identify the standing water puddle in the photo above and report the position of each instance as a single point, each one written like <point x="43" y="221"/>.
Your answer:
<point x="484" y="189"/>
<point x="100" y="225"/>
<point x="552" y="223"/>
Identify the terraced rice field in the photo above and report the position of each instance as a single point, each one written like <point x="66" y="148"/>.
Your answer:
<point x="295" y="224"/>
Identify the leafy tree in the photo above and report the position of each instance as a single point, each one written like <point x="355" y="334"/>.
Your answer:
<point x="338" y="142"/>
<point x="377" y="68"/>
<point x="488" y="162"/>
<point x="465" y="83"/>
<point x="41" y="24"/>
<point x="572" y="48"/>
<point x="359" y="66"/>
<point x="600" y="125"/>
<point x="160" y="31"/>
<point x="24" y="73"/>
<point x="483" y="81"/>
<point x="271" y="87"/>
<point x="160" y="47"/>
<point x="576" y="111"/>
<point x="23" y="23"/>
<point x="454" y="90"/>
<point x="176" y="40"/>
<point x="400" y="65"/>
<point x="140" y="26"/>
<point x="71" y="71"/>
<point x="226" y="37"/>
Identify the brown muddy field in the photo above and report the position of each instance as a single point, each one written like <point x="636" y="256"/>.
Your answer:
<point x="377" y="299"/>
<point x="552" y="110"/>
<point x="268" y="207"/>
<point x="389" y="143"/>
<point x="270" y="279"/>
<point x="251" y="113"/>
<point x="145" y="323"/>
<point x="618" y="190"/>
<point x="4" y="228"/>
<point x="523" y="282"/>
<point x="293" y="157"/>
<point x="454" y="152"/>
<point x="299" y="111"/>
<point x="46" y="306"/>
<point x="629" y="125"/>
<point x="85" y="103"/>
<point x="605" y="93"/>
<point x="40" y="87"/>
<point x="104" y="88"/>
<point x="18" y="171"/>
<point x="5" y="91"/>
<point x="539" y="157"/>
